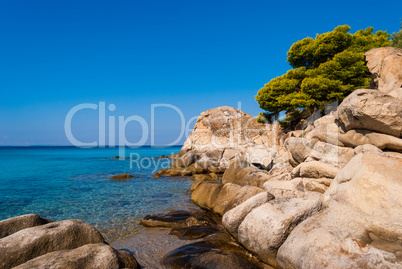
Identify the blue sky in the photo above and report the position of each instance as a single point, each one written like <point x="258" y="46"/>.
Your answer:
<point x="194" y="55"/>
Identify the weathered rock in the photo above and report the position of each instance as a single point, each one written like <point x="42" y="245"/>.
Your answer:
<point x="13" y="225"/>
<point x="210" y="162"/>
<point x="87" y="256"/>
<point x="385" y="65"/>
<point x="356" y="137"/>
<point x="235" y="167"/>
<point x="233" y="218"/>
<point x="226" y="195"/>
<point x="371" y="110"/>
<point x="282" y="189"/>
<point x="361" y="225"/>
<point x="33" y="242"/>
<point x="302" y="148"/>
<point x="186" y="160"/>
<point x="315" y="169"/>
<point x="251" y="176"/>
<point x="227" y="127"/>
<point x="319" y="185"/>
<point x="298" y="187"/>
<point x="323" y="241"/>
<point x="206" y="193"/>
<point x="266" y="227"/>
<point x="121" y="177"/>
<point x="260" y="155"/>
<point x="366" y="149"/>
<point x="244" y="194"/>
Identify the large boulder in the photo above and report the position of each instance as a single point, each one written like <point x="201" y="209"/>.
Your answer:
<point x="233" y="218"/>
<point x="236" y="165"/>
<point x="227" y="194"/>
<point x="371" y="110"/>
<point x="251" y="176"/>
<point x="385" y="65"/>
<point x="227" y="127"/>
<point x="206" y="194"/>
<point x="33" y="242"/>
<point x="245" y="193"/>
<point x="13" y="225"/>
<point x="266" y="227"/>
<point x="361" y="225"/>
<point x="87" y="256"/>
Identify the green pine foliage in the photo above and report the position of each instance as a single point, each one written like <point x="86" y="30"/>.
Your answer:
<point x="397" y="38"/>
<point x="325" y="69"/>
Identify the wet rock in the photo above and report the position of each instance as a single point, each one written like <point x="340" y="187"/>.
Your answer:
<point x="209" y="254"/>
<point x="194" y="232"/>
<point x="174" y="172"/>
<point x="170" y="220"/>
<point x="178" y="218"/>
<point x="87" y="256"/>
<point x="13" y="225"/>
<point x="33" y="242"/>
<point x="121" y="177"/>
<point x="162" y="157"/>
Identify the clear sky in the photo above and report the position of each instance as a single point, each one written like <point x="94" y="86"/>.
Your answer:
<point x="194" y="55"/>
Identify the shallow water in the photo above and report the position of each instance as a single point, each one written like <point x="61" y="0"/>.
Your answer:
<point x="67" y="182"/>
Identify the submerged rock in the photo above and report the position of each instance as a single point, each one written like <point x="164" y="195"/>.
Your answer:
<point x="193" y="232"/>
<point x="121" y="177"/>
<point x="180" y="218"/>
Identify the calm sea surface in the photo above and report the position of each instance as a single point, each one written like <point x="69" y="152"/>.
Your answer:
<point x="67" y="182"/>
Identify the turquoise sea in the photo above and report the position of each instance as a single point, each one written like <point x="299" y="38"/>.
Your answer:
<point x="68" y="182"/>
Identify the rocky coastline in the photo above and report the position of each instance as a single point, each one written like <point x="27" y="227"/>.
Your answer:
<point x="326" y="195"/>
